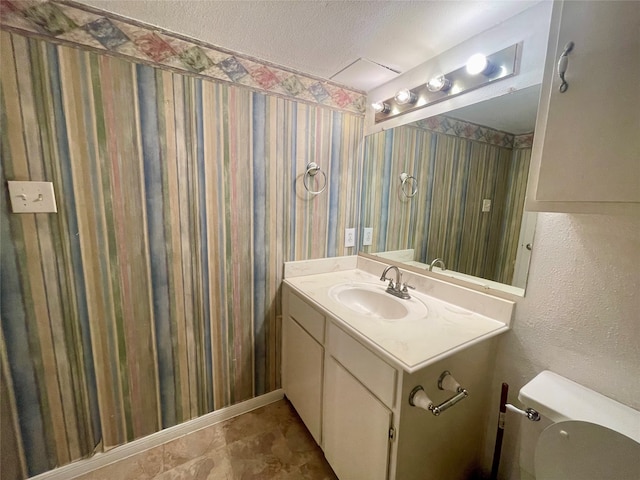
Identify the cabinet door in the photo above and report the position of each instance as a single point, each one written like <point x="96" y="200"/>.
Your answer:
<point x="302" y="374"/>
<point x="586" y="153"/>
<point x="355" y="427"/>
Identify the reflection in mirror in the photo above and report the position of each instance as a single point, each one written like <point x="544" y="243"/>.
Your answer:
<point x="470" y="168"/>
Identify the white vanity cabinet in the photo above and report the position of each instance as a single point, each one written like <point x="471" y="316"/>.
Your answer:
<point x="354" y="401"/>
<point x="356" y="427"/>
<point x="353" y="426"/>
<point x="303" y="359"/>
<point x="586" y="152"/>
<point x="359" y="392"/>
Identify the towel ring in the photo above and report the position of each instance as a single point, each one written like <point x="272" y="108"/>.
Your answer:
<point x="404" y="179"/>
<point x="312" y="170"/>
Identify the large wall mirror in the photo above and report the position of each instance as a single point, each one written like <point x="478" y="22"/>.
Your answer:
<point x="463" y="195"/>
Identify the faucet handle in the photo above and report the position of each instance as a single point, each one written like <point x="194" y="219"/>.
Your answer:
<point x="405" y="286"/>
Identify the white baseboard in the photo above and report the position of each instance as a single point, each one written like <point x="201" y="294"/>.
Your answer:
<point x="82" y="467"/>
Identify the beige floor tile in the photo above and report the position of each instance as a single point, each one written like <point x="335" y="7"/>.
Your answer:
<point x="143" y="466"/>
<point x="249" y="424"/>
<point x="270" y="443"/>
<point x="215" y="465"/>
<point x="317" y="468"/>
<point x="193" y="445"/>
<point x="259" y="455"/>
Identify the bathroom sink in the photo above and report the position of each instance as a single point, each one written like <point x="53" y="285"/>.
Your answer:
<point x="374" y="301"/>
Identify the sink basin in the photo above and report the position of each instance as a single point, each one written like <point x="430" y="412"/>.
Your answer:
<point x="374" y="301"/>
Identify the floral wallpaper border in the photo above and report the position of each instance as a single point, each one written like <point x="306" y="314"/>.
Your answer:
<point x="523" y="141"/>
<point x="472" y="131"/>
<point x="86" y="27"/>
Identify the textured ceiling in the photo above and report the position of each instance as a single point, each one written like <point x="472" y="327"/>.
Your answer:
<point x="322" y="38"/>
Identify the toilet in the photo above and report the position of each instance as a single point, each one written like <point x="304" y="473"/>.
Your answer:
<point x="582" y="435"/>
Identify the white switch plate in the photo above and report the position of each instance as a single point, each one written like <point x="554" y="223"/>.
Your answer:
<point x="486" y="205"/>
<point x="32" y="197"/>
<point x="349" y="237"/>
<point x="367" y="236"/>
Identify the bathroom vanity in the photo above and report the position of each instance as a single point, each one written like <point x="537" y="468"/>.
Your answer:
<point x="352" y="354"/>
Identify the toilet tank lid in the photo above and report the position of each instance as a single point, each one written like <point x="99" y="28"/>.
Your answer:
<point x="559" y="398"/>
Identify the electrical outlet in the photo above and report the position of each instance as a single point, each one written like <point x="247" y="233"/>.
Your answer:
<point x="486" y="205"/>
<point x="367" y="236"/>
<point x="32" y="197"/>
<point x="349" y="237"/>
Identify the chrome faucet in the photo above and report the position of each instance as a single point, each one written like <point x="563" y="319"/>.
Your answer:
<point x="396" y="288"/>
<point x="435" y="262"/>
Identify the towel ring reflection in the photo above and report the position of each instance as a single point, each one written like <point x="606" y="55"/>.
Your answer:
<point x="405" y="178"/>
<point x="312" y="170"/>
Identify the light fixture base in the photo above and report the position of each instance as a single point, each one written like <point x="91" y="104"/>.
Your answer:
<point x="505" y="65"/>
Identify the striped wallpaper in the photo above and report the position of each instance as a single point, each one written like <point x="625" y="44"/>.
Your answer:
<point x="152" y="296"/>
<point x="512" y="216"/>
<point x="445" y="219"/>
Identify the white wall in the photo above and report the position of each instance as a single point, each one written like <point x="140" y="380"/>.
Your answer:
<point x="580" y="317"/>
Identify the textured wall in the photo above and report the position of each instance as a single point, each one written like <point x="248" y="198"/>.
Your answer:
<point x="152" y="296"/>
<point x="580" y="316"/>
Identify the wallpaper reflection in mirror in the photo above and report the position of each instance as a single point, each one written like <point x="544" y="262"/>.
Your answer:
<point x="457" y="165"/>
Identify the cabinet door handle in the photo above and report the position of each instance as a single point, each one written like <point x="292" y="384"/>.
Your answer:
<point x="563" y="63"/>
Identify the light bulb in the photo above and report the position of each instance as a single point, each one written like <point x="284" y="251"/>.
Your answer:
<point x="405" y="96"/>
<point x="380" y="107"/>
<point x="477" y="63"/>
<point x="439" y="83"/>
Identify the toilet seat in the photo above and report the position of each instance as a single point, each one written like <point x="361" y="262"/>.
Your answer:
<point x="576" y="450"/>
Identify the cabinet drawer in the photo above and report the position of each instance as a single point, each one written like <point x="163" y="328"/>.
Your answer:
<point x="373" y="372"/>
<point x="311" y="320"/>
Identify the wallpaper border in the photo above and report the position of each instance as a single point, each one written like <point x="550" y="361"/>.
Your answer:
<point x="472" y="131"/>
<point x="70" y="23"/>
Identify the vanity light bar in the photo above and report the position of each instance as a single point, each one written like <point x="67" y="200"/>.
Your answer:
<point x="499" y="65"/>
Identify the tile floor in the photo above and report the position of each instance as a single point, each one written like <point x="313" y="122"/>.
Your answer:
<point x="268" y="443"/>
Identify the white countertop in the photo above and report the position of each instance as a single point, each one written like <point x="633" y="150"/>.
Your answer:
<point x="409" y="344"/>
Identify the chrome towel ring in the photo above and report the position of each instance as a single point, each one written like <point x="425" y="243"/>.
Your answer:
<point x="312" y="170"/>
<point x="405" y="178"/>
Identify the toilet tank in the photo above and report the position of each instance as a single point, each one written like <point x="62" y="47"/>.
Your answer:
<point x="559" y="399"/>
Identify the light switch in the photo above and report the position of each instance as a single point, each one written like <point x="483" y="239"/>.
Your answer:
<point x="32" y="197"/>
<point x="349" y="237"/>
<point x="486" y="205"/>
